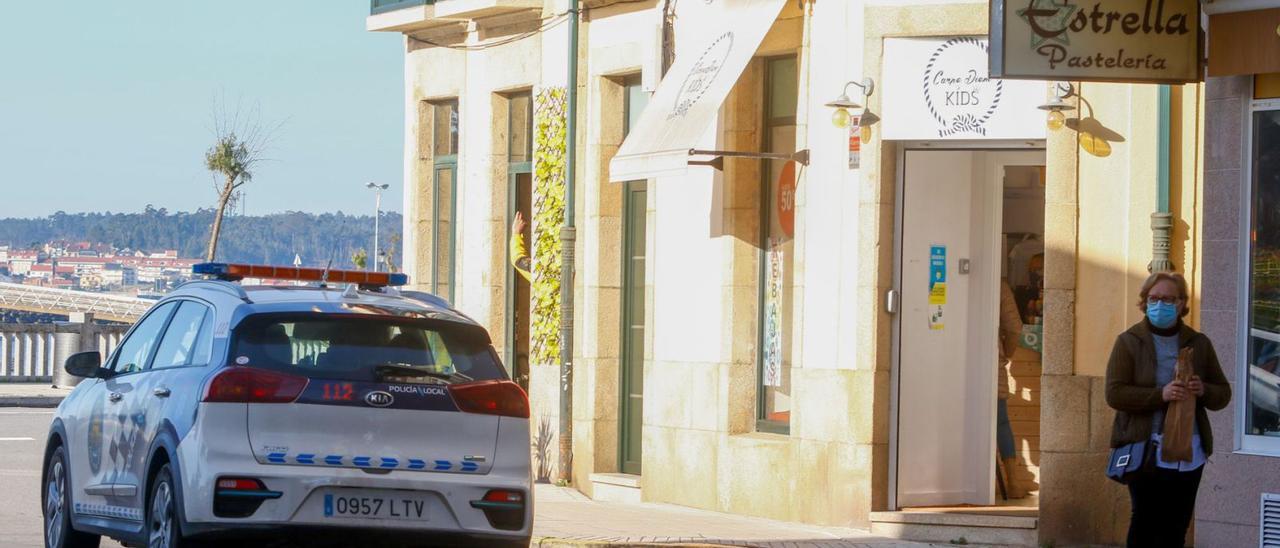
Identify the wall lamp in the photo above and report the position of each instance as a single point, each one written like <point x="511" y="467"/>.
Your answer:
<point x="843" y="104"/>
<point x="1058" y="106"/>
<point x="1095" y="138"/>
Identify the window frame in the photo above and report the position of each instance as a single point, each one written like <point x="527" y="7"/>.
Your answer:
<point x="443" y="162"/>
<point x="206" y="327"/>
<point x="1246" y="443"/>
<point x="514" y="170"/>
<point x="767" y="124"/>
<point x="625" y="340"/>
<point x="115" y="354"/>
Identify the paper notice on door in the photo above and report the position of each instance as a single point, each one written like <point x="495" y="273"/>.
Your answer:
<point x="937" y="286"/>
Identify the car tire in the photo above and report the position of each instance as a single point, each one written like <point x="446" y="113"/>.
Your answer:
<point x="55" y="504"/>
<point x="163" y="526"/>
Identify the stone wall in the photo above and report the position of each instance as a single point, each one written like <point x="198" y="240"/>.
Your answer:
<point x="1098" y="246"/>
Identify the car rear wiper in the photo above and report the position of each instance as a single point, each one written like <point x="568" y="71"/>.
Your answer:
<point x="398" y="369"/>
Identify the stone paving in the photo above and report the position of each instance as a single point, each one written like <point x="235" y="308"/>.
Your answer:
<point x="565" y="517"/>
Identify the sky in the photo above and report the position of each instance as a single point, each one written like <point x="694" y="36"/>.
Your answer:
<point x="109" y="106"/>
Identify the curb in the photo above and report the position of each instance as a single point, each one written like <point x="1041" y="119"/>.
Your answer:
<point x="549" y="542"/>
<point x="30" y="401"/>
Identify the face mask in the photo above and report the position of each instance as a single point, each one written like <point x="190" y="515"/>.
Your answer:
<point x="1162" y="315"/>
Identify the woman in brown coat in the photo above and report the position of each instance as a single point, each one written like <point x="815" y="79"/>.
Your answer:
<point x="1140" y="385"/>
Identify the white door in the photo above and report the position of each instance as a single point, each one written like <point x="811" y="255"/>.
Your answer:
<point x="951" y="208"/>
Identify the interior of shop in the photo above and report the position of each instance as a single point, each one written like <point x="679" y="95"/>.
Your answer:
<point x="971" y="251"/>
<point x="1022" y="240"/>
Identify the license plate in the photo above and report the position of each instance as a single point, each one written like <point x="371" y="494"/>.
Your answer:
<point x="372" y="505"/>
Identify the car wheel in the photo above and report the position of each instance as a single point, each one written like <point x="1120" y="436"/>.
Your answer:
<point x="163" y="529"/>
<point x="56" y="502"/>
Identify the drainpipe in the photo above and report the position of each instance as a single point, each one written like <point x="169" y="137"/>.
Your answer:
<point x="568" y="236"/>
<point x="1162" y="219"/>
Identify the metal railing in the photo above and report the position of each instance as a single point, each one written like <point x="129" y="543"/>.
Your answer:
<point x="34" y="352"/>
<point x="64" y="301"/>
<point x="383" y="6"/>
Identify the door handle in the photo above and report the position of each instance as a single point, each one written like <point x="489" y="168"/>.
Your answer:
<point x="891" y="301"/>
<point x="161" y="392"/>
<point x="115" y="397"/>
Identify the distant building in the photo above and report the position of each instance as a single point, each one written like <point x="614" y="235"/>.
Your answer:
<point x="116" y="275"/>
<point x="46" y="271"/>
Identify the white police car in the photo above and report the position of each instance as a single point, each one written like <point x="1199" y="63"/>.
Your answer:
<point x="358" y="415"/>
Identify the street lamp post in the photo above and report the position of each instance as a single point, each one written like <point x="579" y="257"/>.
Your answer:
<point x="377" y="212"/>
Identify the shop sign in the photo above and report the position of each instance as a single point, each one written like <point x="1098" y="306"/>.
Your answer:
<point x="941" y="89"/>
<point x="855" y="142"/>
<point x="1135" y="41"/>
<point x="773" y="315"/>
<point x="786" y="199"/>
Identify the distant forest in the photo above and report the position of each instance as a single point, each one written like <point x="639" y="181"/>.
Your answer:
<point x="274" y="238"/>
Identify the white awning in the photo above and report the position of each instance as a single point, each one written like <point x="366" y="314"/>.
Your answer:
<point x="689" y="96"/>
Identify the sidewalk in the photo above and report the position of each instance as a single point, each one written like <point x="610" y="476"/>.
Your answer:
<point x="567" y="518"/>
<point x="30" y="394"/>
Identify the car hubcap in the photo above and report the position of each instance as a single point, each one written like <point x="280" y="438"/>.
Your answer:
<point x="162" y="516"/>
<point x="53" y="506"/>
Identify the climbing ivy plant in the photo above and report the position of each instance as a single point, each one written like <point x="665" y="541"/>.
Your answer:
<point x="548" y="217"/>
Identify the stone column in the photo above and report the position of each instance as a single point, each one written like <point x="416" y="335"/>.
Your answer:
<point x="1161" y="239"/>
<point x="66" y="341"/>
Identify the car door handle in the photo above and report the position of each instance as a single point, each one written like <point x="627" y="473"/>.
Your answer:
<point x="115" y="397"/>
<point x="161" y="392"/>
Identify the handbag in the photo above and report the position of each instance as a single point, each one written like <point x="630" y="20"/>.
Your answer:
<point x="1127" y="461"/>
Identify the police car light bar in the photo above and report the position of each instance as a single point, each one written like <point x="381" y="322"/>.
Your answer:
<point x="235" y="272"/>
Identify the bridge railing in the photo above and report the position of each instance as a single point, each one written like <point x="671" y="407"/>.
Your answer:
<point x="63" y="301"/>
<point x="35" y="352"/>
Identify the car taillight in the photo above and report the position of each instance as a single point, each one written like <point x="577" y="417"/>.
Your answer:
<point x="250" y="385"/>
<point x="499" y="495"/>
<point x="504" y="398"/>
<point x="503" y="508"/>
<point x="241" y="484"/>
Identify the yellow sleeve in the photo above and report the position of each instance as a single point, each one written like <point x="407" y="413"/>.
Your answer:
<point x="519" y="258"/>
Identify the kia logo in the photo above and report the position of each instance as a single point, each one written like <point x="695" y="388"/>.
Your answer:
<point x="379" y="398"/>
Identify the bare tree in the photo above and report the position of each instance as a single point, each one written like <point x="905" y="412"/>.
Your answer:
<point x="239" y="142"/>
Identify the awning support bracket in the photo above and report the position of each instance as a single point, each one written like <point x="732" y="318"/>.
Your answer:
<point x="801" y="156"/>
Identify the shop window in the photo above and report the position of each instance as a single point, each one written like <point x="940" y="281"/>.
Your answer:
<point x="777" y="248"/>
<point x="1262" y="381"/>
<point x="444" y="201"/>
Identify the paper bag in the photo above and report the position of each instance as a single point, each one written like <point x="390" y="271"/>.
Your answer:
<point x="1179" y="418"/>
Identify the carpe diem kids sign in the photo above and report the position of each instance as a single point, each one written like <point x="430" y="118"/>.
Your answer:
<point x="1157" y="41"/>
<point x="941" y="88"/>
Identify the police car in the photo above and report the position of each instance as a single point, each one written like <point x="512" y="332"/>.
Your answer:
<point x="344" y="410"/>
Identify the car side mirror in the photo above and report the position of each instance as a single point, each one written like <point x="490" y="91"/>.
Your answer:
<point x="85" y="364"/>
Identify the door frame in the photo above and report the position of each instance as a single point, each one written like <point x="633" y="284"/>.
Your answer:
<point x="895" y="387"/>
<point x="629" y="191"/>
<point x="514" y="171"/>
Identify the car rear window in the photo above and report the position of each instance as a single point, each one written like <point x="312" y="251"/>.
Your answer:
<point x="366" y="349"/>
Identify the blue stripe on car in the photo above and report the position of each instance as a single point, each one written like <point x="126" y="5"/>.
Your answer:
<point x="438" y="465"/>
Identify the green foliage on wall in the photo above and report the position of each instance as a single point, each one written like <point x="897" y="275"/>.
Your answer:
<point x="548" y="217"/>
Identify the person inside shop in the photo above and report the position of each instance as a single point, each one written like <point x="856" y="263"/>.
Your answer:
<point x="1010" y="331"/>
<point x="1026" y="268"/>
<point x="1140" y="385"/>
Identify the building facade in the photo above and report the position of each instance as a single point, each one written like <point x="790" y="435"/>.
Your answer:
<point x="799" y="321"/>
<point x="1242" y="120"/>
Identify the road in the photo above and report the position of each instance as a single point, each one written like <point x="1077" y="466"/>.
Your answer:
<point x="22" y="433"/>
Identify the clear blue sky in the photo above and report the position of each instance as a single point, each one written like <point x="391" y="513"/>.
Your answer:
<point x="108" y="105"/>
